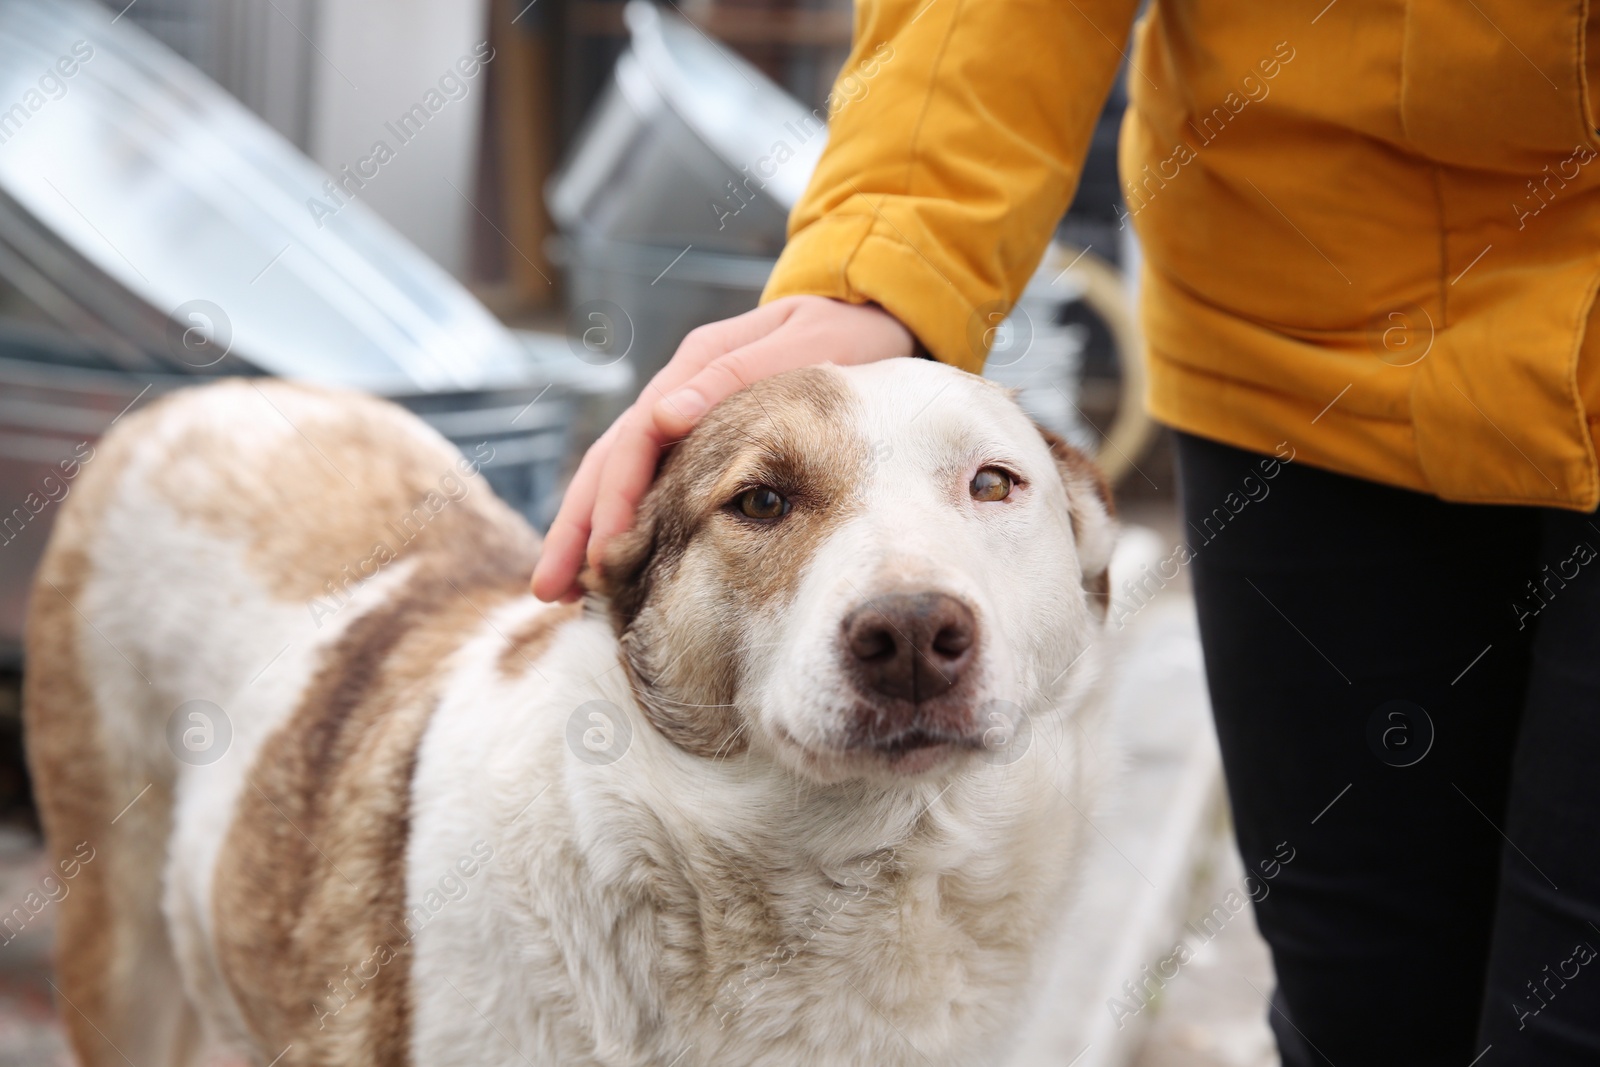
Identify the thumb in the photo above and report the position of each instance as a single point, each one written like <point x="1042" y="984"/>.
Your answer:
<point x="677" y="413"/>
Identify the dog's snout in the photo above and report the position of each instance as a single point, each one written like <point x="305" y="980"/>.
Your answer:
<point x="910" y="646"/>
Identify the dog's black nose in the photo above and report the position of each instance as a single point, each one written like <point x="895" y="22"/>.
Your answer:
<point x="910" y="646"/>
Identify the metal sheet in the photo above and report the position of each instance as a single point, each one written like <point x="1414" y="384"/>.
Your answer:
<point x="140" y="181"/>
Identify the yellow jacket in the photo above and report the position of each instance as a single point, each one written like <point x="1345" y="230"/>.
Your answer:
<point x="1371" y="228"/>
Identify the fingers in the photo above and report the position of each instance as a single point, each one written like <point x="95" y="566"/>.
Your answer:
<point x="832" y="333"/>
<point x="630" y="466"/>
<point x="677" y="413"/>
<point x="713" y="362"/>
<point x="562" y="555"/>
<point x="709" y="342"/>
<point x="717" y="339"/>
<point x="632" y="462"/>
<point x="622" y="477"/>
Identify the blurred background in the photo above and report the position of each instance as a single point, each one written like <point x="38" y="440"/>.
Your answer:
<point x="505" y="215"/>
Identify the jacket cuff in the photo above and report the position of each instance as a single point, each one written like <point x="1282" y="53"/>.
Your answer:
<point x="849" y="258"/>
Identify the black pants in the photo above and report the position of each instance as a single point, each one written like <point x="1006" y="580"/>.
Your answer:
<point x="1407" y="695"/>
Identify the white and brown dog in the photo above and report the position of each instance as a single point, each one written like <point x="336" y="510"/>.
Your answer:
<point x="352" y="797"/>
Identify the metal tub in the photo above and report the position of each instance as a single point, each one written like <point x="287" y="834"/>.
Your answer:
<point x="679" y="149"/>
<point x="143" y="202"/>
<point x="58" y="397"/>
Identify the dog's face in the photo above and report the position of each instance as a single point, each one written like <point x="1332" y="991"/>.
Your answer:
<point x="866" y="572"/>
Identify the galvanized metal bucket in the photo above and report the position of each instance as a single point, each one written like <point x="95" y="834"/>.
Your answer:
<point x="58" y="397"/>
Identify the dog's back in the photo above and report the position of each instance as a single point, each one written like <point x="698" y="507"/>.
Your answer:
<point x="214" y="595"/>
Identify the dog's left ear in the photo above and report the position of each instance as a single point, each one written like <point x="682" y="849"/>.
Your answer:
<point x="1093" y="517"/>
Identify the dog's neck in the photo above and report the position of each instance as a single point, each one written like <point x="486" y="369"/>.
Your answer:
<point x="762" y="887"/>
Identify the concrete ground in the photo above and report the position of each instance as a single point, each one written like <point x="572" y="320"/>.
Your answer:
<point x="1212" y="1014"/>
<point x="30" y="1035"/>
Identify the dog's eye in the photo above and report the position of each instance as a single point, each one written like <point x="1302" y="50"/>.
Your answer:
<point x="763" y="504"/>
<point x="990" y="483"/>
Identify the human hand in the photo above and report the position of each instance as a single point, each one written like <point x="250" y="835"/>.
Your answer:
<point x="713" y="362"/>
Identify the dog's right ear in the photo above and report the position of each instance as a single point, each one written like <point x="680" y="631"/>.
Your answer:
<point x="687" y="697"/>
<point x="1093" y="517"/>
<point x="625" y="575"/>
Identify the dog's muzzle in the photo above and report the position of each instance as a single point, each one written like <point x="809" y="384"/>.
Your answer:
<point x="908" y="656"/>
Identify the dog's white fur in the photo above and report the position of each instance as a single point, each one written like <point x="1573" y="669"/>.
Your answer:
<point x="793" y="902"/>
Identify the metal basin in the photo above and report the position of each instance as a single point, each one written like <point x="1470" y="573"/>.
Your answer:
<point x="57" y="397"/>
<point x="680" y="149"/>
<point x="144" y="207"/>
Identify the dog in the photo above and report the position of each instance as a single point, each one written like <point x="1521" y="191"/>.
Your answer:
<point x="799" y="781"/>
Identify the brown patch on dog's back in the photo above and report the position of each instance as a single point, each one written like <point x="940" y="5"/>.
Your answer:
<point x="352" y="484"/>
<point x="794" y="428"/>
<point x="310" y="891"/>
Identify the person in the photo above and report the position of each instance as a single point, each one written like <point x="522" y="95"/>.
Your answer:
<point x="1372" y="246"/>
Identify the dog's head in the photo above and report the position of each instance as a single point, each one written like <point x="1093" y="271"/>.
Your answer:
<point x="851" y="568"/>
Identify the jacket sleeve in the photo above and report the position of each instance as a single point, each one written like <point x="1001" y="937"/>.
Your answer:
<point x="957" y="136"/>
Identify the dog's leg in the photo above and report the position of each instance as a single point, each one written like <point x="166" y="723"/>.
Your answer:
<point x="106" y="820"/>
<point x="117" y="981"/>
